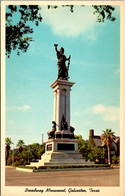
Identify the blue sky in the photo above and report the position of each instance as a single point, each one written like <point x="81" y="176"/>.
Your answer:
<point x="95" y="69"/>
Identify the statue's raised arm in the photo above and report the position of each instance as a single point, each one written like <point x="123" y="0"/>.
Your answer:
<point x="62" y="68"/>
<point x="56" y="47"/>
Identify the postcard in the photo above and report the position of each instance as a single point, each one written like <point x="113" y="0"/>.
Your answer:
<point x="62" y="98"/>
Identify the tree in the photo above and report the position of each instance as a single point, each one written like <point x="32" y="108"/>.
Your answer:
<point x="16" y="38"/>
<point x="17" y="35"/>
<point x="107" y="137"/>
<point x="84" y="150"/>
<point x="29" y="153"/>
<point x="41" y="150"/>
<point x="20" y="144"/>
<point x="8" y="142"/>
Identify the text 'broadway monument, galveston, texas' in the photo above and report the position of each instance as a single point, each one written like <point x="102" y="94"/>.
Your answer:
<point x="61" y="149"/>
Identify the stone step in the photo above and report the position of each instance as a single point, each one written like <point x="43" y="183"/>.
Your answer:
<point x="60" y="162"/>
<point x="60" y="159"/>
<point x="66" y="161"/>
<point x="61" y="155"/>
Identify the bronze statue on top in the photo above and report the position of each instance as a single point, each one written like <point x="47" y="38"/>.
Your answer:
<point x="62" y="68"/>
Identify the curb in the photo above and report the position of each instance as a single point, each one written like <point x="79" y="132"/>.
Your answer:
<point x="8" y="166"/>
<point x="23" y="169"/>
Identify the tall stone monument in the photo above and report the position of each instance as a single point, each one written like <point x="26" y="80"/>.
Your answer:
<point x="61" y="148"/>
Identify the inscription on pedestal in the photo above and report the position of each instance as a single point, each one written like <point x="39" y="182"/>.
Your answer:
<point x="68" y="147"/>
<point x="49" y="147"/>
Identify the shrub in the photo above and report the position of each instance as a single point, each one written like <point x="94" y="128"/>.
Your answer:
<point x="15" y="164"/>
<point x="9" y="161"/>
<point x="115" y="159"/>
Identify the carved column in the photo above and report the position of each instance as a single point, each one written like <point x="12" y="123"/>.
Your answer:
<point x="55" y="106"/>
<point x="68" y="108"/>
<point x="62" y="90"/>
<point x="58" y="111"/>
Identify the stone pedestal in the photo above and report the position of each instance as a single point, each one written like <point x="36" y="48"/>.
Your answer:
<point x="61" y="152"/>
<point x="61" y="145"/>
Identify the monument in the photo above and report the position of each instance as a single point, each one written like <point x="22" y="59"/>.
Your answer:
<point x="61" y="148"/>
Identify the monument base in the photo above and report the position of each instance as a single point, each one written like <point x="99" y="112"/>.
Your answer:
<point x="64" y="134"/>
<point x="61" y="152"/>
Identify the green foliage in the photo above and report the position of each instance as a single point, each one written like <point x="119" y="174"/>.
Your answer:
<point x="16" y="163"/>
<point x="97" y="154"/>
<point x="81" y="141"/>
<point x="26" y="167"/>
<point x="84" y="150"/>
<point x="20" y="143"/>
<point x="104" y="12"/>
<point x="89" y="151"/>
<point x="29" y="153"/>
<point x="78" y="137"/>
<point x="16" y="152"/>
<point x="108" y="137"/>
<point x="73" y="166"/>
<point x="8" y="141"/>
<point x="90" y="143"/>
<point x="41" y="151"/>
<point x="68" y="167"/>
<point x="9" y="161"/>
<point x="115" y="159"/>
<point x="18" y="35"/>
<point x="35" y="151"/>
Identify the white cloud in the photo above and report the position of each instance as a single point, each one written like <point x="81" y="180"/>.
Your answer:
<point x="19" y="108"/>
<point x="24" y="108"/>
<point x="98" y="109"/>
<point x="109" y="113"/>
<point x="64" y="23"/>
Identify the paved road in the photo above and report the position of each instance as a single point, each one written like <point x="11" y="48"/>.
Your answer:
<point x="63" y="178"/>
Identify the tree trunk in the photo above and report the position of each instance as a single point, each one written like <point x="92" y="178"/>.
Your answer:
<point x="109" y="155"/>
<point x="6" y="156"/>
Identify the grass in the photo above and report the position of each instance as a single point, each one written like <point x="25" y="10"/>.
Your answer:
<point x="26" y="167"/>
<point x="74" y="166"/>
